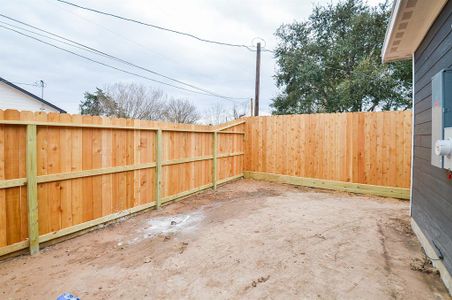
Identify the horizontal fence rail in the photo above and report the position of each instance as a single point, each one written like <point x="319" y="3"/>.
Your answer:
<point x="60" y="173"/>
<point x="361" y="148"/>
<point x="97" y="172"/>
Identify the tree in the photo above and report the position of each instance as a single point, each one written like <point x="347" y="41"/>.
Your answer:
<point x="181" y="111"/>
<point x="239" y="111"/>
<point x="217" y="113"/>
<point x="332" y="63"/>
<point x="136" y="101"/>
<point x="98" y="104"/>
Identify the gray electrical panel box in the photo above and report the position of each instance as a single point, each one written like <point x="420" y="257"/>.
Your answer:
<point x="441" y="112"/>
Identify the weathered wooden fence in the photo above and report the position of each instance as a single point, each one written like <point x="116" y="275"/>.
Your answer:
<point x="356" y="152"/>
<point x="63" y="173"/>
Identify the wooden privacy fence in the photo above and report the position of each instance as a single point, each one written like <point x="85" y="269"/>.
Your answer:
<point x="355" y="152"/>
<point x="61" y="173"/>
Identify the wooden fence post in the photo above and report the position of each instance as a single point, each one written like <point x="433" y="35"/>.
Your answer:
<point x="158" y="169"/>
<point x="214" y="164"/>
<point x="32" y="189"/>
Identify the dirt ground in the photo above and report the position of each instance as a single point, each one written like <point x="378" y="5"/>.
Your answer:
<point x="247" y="240"/>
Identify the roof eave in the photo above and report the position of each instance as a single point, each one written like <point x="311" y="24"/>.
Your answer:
<point x="389" y="30"/>
<point x="409" y="23"/>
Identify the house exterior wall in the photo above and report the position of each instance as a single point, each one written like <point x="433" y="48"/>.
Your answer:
<point x="11" y="98"/>
<point x="432" y="191"/>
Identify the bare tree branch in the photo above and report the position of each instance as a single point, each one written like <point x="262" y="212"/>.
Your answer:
<point x="137" y="101"/>
<point x="181" y="111"/>
<point x="217" y="113"/>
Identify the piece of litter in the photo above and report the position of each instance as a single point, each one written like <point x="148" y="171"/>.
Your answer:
<point x="67" y="296"/>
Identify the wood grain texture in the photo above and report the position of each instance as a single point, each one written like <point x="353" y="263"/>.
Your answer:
<point x="92" y="167"/>
<point x="367" y="148"/>
<point x="114" y="160"/>
<point x="32" y="190"/>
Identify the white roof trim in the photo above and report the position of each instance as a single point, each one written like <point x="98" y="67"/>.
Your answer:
<point x="409" y="23"/>
<point x="12" y="85"/>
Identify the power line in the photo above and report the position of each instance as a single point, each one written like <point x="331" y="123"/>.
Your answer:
<point x="122" y="36"/>
<point x="75" y="45"/>
<point x="104" y="64"/>
<point x="23" y="83"/>
<point x="101" y="53"/>
<point x="46" y="36"/>
<point x="161" y="28"/>
<point x="90" y="49"/>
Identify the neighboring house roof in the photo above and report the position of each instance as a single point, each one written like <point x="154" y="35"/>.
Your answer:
<point x="409" y="23"/>
<point x="31" y="95"/>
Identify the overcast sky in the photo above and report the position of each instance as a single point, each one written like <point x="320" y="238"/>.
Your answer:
<point x="224" y="70"/>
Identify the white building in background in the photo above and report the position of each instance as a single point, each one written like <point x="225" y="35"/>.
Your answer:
<point x="14" y="97"/>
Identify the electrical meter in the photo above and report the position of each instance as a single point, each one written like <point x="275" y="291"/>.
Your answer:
<point x="442" y="119"/>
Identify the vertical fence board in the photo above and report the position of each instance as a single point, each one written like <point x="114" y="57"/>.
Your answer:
<point x="106" y="161"/>
<point x="87" y="164"/>
<point x="12" y="157"/>
<point x="26" y="116"/>
<point x="368" y="148"/>
<point x="97" y="164"/>
<point x="130" y="160"/>
<point x="158" y="169"/>
<point x="66" y="163"/>
<point x="136" y="160"/>
<point x="53" y="167"/>
<point x="3" y="215"/>
<point x="76" y="165"/>
<point x="32" y="189"/>
<point x="214" y="166"/>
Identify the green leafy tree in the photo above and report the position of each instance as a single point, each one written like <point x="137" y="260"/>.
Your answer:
<point x="332" y="63"/>
<point x="98" y="104"/>
<point x="90" y="105"/>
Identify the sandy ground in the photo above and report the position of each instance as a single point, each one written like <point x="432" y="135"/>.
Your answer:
<point x="248" y="240"/>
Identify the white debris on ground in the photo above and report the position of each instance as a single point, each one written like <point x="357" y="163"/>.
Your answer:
<point x="173" y="224"/>
<point x="167" y="225"/>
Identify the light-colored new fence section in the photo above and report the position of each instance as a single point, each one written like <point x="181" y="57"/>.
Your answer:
<point x="74" y="172"/>
<point x="63" y="173"/>
<point x="356" y="152"/>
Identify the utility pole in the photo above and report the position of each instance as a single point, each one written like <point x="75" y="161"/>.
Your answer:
<point x="258" y="75"/>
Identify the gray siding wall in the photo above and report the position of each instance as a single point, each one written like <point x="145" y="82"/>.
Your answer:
<point x="432" y="191"/>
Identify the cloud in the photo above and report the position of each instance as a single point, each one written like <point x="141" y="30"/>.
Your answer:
<point x="225" y="70"/>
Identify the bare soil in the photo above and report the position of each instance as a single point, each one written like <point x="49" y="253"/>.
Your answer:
<point x="247" y="240"/>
